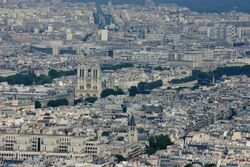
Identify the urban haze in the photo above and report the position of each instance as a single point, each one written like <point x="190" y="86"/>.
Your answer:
<point x="125" y="83"/>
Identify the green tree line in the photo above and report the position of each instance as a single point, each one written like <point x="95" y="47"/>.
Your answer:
<point x="31" y="78"/>
<point x="144" y="87"/>
<point x="105" y="93"/>
<point x="108" y="92"/>
<point x="216" y="74"/>
<point x="58" y="102"/>
<point x="160" y="68"/>
<point x="88" y="100"/>
<point x="158" y="143"/>
<point x="53" y="103"/>
<point x="117" y="66"/>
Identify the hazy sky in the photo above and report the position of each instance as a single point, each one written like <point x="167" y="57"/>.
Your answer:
<point x="196" y="5"/>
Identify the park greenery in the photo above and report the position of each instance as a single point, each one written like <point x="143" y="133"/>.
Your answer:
<point x="86" y="37"/>
<point x="77" y="101"/>
<point x="206" y="165"/>
<point x="196" y="86"/>
<point x="87" y="100"/>
<point x="207" y="77"/>
<point x="57" y="74"/>
<point x="160" y="68"/>
<point x="158" y="143"/>
<point x="210" y="165"/>
<point x="58" y="102"/>
<point x="31" y="78"/>
<point x="133" y="91"/>
<point x="90" y="99"/>
<point x="188" y="165"/>
<point x="148" y="86"/>
<point x="120" y="158"/>
<point x="144" y="87"/>
<point x="116" y="66"/>
<point x="38" y="104"/>
<point x="108" y="92"/>
<point x="105" y="93"/>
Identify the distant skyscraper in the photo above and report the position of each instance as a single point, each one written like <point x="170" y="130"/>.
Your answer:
<point x="104" y="34"/>
<point x="223" y="32"/>
<point x="50" y="28"/>
<point x="132" y="131"/>
<point x="149" y="3"/>
<point x="69" y="34"/>
<point x="110" y="4"/>
<point x="91" y="20"/>
<point x="88" y="81"/>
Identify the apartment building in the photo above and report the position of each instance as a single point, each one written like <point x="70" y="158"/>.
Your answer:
<point x="23" y="146"/>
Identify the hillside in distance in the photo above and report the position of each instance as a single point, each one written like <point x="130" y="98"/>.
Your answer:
<point x="195" y="5"/>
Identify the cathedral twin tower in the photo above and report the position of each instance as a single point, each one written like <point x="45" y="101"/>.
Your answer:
<point x="88" y="81"/>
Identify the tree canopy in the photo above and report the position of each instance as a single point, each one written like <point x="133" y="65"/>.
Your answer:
<point x="210" y="165"/>
<point x="188" y="165"/>
<point x="90" y="99"/>
<point x="38" y="104"/>
<point x="207" y="77"/>
<point x="120" y="158"/>
<point x="160" y="68"/>
<point x="144" y="87"/>
<point x="158" y="143"/>
<point x="58" y="102"/>
<point x="108" y="92"/>
<point x="133" y="91"/>
<point x="57" y="74"/>
<point x="117" y="66"/>
<point x="31" y="78"/>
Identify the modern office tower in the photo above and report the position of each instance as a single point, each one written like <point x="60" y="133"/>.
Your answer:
<point x="222" y="32"/>
<point x="244" y="33"/>
<point x="55" y="50"/>
<point x="56" y="45"/>
<point x="88" y="81"/>
<point x="36" y="30"/>
<point x="149" y="3"/>
<point x="132" y="131"/>
<point x="110" y="4"/>
<point x="231" y="33"/>
<point x="50" y="28"/>
<point x="104" y="34"/>
<point x="91" y="19"/>
<point x="69" y="35"/>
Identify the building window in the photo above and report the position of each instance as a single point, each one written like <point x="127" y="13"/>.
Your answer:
<point x="88" y="86"/>
<point x="95" y="73"/>
<point x="82" y="73"/>
<point x="89" y="72"/>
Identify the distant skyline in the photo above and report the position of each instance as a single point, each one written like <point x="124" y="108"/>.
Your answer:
<point x="195" y="5"/>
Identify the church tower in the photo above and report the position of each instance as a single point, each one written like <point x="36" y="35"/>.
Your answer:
<point x="88" y="81"/>
<point x="132" y="131"/>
